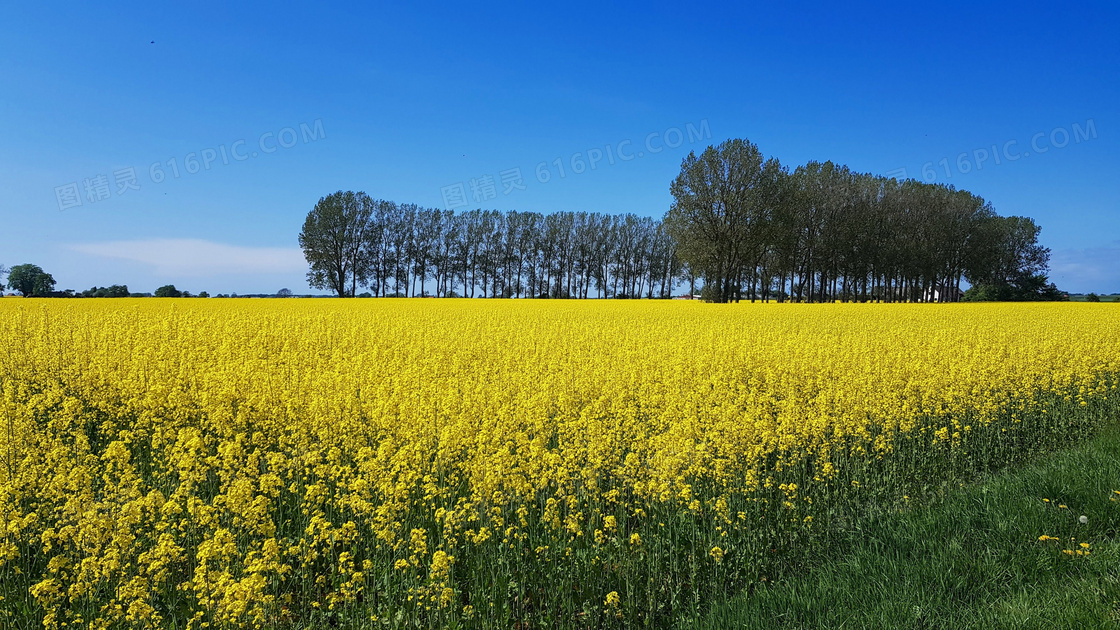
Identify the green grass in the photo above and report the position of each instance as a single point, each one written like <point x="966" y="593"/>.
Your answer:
<point x="968" y="559"/>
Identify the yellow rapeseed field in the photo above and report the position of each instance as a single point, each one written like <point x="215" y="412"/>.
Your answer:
<point x="293" y="463"/>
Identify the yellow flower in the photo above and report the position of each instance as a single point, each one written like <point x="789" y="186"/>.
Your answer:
<point x="212" y="451"/>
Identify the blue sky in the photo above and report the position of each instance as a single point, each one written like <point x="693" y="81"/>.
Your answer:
<point x="287" y="103"/>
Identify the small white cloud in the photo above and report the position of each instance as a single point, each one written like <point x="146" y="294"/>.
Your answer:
<point x="197" y="257"/>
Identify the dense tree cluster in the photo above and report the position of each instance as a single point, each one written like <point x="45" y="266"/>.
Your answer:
<point x="116" y="290"/>
<point x="30" y="280"/>
<point x="352" y="241"/>
<point x="745" y="225"/>
<point x="169" y="290"/>
<point x="753" y="229"/>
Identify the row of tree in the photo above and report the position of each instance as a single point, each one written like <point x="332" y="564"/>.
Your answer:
<point x="752" y="228"/>
<point x="352" y="241"/>
<point x="32" y="281"/>
<point x="742" y="225"/>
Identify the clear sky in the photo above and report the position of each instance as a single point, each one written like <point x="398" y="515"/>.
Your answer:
<point x="287" y="103"/>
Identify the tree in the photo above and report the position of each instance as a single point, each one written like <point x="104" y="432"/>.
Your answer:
<point x="203" y="294"/>
<point x="1092" y="297"/>
<point x="3" y="272"/>
<point x="168" y="290"/>
<point x="30" y="280"/>
<point x="117" y="290"/>
<point x="722" y="202"/>
<point x="284" y="293"/>
<point x="741" y="226"/>
<point x="336" y="244"/>
<point x="1008" y="263"/>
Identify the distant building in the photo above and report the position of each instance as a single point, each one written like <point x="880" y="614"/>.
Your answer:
<point x="944" y="294"/>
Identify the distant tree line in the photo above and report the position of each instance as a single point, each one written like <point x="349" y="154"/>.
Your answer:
<point x="31" y="281"/>
<point x="741" y="225"/>
<point x="352" y="242"/>
<point x="754" y="229"/>
<point x="114" y="291"/>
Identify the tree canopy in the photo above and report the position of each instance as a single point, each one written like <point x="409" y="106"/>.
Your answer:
<point x="116" y="290"/>
<point x="744" y="225"/>
<point x="30" y="280"/>
<point x="494" y="254"/>
<point x="335" y="243"/>
<point x="753" y="229"/>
